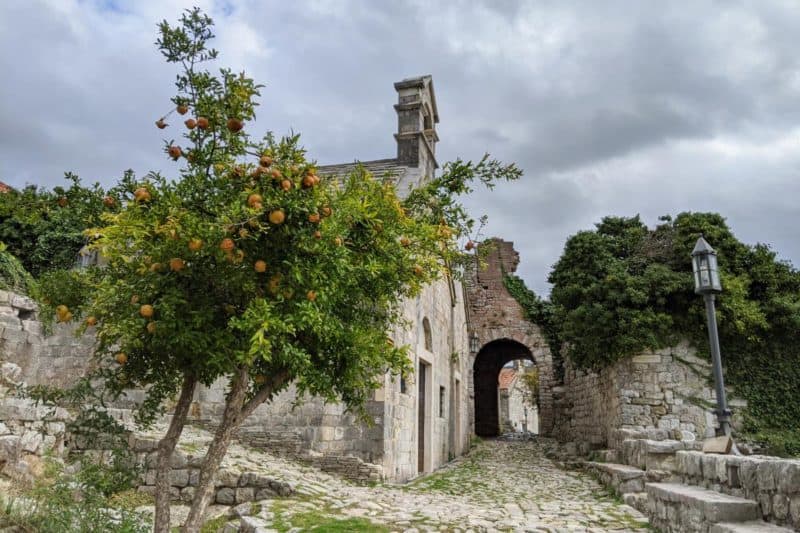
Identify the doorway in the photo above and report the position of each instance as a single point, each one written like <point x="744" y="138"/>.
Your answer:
<point x="422" y="409"/>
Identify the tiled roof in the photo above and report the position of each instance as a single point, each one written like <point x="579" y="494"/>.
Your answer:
<point x="378" y="168"/>
<point x="4" y="188"/>
<point x="507" y="377"/>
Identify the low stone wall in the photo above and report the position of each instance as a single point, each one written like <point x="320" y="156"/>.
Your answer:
<point x="665" y="390"/>
<point x="772" y="482"/>
<point x="230" y="487"/>
<point x="57" y="359"/>
<point x="321" y="434"/>
<point x="28" y="432"/>
<point x="348" y="467"/>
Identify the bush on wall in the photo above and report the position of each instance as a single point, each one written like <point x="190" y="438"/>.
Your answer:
<point x="623" y="288"/>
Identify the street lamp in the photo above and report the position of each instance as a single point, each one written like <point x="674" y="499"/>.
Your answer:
<point x="473" y="343"/>
<point x="706" y="282"/>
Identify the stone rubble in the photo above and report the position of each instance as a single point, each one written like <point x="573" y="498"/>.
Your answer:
<point x="502" y="485"/>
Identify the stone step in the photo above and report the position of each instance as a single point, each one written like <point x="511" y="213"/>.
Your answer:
<point x="606" y="456"/>
<point x="677" y="507"/>
<point x="637" y="500"/>
<point x="754" y="526"/>
<point x="622" y="478"/>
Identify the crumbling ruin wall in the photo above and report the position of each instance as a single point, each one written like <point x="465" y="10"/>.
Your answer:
<point x="666" y="390"/>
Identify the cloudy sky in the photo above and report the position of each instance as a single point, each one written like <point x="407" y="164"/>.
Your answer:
<point x="609" y="107"/>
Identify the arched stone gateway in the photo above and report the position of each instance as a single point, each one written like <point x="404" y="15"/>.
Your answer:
<point x="486" y="369"/>
<point x="498" y="329"/>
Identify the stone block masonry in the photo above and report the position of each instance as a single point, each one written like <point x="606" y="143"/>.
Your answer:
<point x="231" y="487"/>
<point x="665" y="391"/>
<point x="58" y="359"/>
<point x="772" y="482"/>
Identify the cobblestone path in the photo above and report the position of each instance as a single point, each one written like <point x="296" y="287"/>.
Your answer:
<point x="499" y="486"/>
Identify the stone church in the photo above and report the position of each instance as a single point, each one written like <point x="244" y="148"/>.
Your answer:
<point x="458" y="339"/>
<point x="417" y="424"/>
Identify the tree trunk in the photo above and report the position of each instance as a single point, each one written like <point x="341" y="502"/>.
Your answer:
<point x="236" y="411"/>
<point x="222" y="439"/>
<point x="165" y="448"/>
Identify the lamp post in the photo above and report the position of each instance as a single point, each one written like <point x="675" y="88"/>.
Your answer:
<point x="706" y="282"/>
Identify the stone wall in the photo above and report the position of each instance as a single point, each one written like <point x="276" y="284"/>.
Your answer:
<point x="665" y="390"/>
<point x="27" y="431"/>
<point x="325" y="434"/>
<point x="772" y="482"/>
<point x="58" y="358"/>
<point x="230" y="486"/>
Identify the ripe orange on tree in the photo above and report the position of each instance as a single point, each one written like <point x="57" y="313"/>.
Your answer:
<point x="254" y="199"/>
<point x="176" y="264"/>
<point x="146" y="311"/>
<point x="260" y="266"/>
<point x="141" y="195"/>
<point x="195" y="244"/>
<point x="121" y="358"/>
<point x="227" y="245"/>
<point x="277" y="217"/>
<point x="202" y="123"/>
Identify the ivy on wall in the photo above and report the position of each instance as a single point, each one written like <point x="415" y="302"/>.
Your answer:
<point x="623" y="288"/>
<point x="13" y="276"/>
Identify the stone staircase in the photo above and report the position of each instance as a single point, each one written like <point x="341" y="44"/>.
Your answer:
<point x="682" y="489"/>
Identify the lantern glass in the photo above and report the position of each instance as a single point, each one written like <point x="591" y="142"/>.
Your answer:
<point x="704" y="265"/>
<point x="473" y="343"/>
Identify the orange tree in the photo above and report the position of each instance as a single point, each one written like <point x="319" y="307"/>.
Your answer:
<point x="251" y="266"/>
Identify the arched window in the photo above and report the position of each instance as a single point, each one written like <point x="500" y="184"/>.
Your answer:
<point x="426" y="327"/>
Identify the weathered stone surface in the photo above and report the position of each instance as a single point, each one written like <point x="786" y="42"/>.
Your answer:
<point x="179" y="478"/>
<point x="245" y="494"/>
<point x="254" y="524"/>
<point x="747" y="527"/>
<point x="9" y="447"/>
<point x="30" y="441"/>
<point x="721" y="444"/>
<point x="226" y="496"/>
<point x="707" y="507"/>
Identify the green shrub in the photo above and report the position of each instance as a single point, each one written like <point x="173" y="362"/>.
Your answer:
<point x="13" y="276"/>
<point x="624" y="288"/>
<point x="61" y="502"/>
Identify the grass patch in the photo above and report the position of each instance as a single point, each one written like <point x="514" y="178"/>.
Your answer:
<point x="130" y="499"/>
<point x="317" y="521"/>
<point x="464" y="477"/>
<point x="215" y="524"/>
<point x="321" y="520"/>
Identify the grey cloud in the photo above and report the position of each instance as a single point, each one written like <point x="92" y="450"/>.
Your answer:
<point x="597" y="102"/>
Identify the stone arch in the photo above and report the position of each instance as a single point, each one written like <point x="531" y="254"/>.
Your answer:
<point x="485" y="370"/>
<point x="506" y="345"/>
